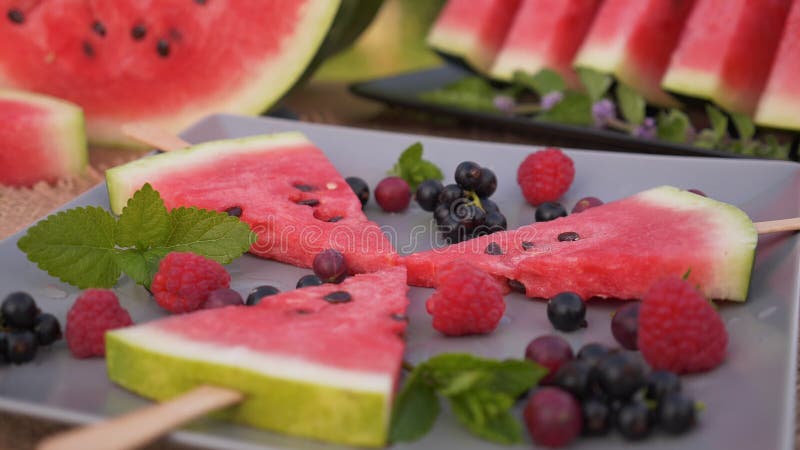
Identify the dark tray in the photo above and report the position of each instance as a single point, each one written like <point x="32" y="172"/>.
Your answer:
<point x="404" y="90"/>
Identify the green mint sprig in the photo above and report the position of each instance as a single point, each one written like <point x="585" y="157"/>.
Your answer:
<point x="481" y="393"/>
<point x="88" y="247"/>
<point x="412" y="168"/>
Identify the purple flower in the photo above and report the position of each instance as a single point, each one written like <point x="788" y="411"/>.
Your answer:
<point x="647" y="130"/>
<point x="550" y="99"/>
<point x="603" y="111"/>
<point x="504" y="103"/>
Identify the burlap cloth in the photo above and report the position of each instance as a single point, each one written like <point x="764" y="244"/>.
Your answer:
<point x="317" y="102"/>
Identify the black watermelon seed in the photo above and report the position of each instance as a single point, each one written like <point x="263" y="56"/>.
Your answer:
<point x="399" y="317"/>
<point x="568" y="236"/>
<point x="99" y="28"/>
<point x="303" y="311"/>
<point x="16" y="16"/>
<point x="162" y="47"/>
<point x="201" y="2"/>
<point x="335" y="219"/>
<point x="304" y="187"/>
<point x="310" y="202"/>
<point x="138" y="32"/>
<point x="527" y="245"/>
<point x="338" y="297"/>
<point x="235" y="211"/>
<point x="88" y="49"/>
<point x="494" y="249"/>
<point x="516" y="286"/>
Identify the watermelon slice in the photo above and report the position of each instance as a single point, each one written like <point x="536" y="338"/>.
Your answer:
<point x="41" y="139"/>
<point x="281" y="185"/>
<point x="726" y="51"/>
<point x="473" y="30"/>
<point x="623" y="247"/>
<point x="545" y="34"/>
<point x="168" y="63"/>
<point x="633" y="40"/>
<point x="779" y="105"/>
<point x="307" y="366"/>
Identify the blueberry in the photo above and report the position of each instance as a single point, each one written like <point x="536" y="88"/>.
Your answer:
<point x="676" y="413"/>
<point x="450" y="194"/>
<point x="19" y="311"/>
<point x="257" y="294"/>
<point x="548" y="211"/>
<point x="360" y="188"/>
<point x="620" y="375"/>
<point x="428" y="194"/>
<point x="566" y="311"/>
<point x="661" y="383"/>
<point x="468" y="175"/>
<point x="488" y="183"/>
<point x="21" y="346"/>
<point x="308" y="280"/>
<point x="633" y="421"/>
<point x="47" y="329"/>
<point x="596" y="417"/>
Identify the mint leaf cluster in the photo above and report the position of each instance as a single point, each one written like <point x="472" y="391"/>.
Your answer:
<point x="412" y="168"/>
<point x="89" y="247"/>
<point x="481" y="393"/>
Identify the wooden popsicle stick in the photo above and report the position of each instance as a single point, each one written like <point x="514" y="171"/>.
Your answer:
<point x="144" y="425"/>
<point x="154" y="136"/>
<point x="774" y="226"/>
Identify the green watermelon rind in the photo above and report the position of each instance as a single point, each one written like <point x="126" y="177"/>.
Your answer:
<point x="122" y="181"/>
<point x="334" y="414"/>
<point x="778" y="111"/>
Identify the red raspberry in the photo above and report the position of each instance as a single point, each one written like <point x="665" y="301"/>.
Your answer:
<point x="184" y="281"/>
<point x="545" y="176"/>
<point x="466" y="301"/>
<point x="93" y="313"/>
<point x="679" y="330"/>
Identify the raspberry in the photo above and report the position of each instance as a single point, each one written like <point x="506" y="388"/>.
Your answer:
<point x="466" y="301"/>
<point x="545" y="176"/>
<point x="679" y="330"/>
<point x="93" y="313"/>
<point x="185" y="280"/>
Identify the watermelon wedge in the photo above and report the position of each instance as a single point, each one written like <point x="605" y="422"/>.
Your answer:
<point x="308" y="366"/>
<point x="545" y="34"/>
<point x="779" y="105"/>
<point x="473" y="30"/>
<point x="633" y="40"/>
<point x="726" y="51"/>
<point x="41" y="139"/>
<point x="168" y="63"/>
<point x="283" y="186"/>
<point x="623" y="248"/>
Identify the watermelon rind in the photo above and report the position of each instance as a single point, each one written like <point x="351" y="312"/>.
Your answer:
<point x="68" y="128"/>
<point x="692" y="83"/>
<point x="776" y="111"/>
<point x="122" y="181"/>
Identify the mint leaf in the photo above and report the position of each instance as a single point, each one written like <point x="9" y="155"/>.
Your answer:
<point x="140" y="266"/>
<point x="473" y="93"/>
<point x="212" y="234"/>
<point x="574" y="109"/>
<point x="412" y="168"/>
<point x="76" y="246"/>
<point x="144" y="221"/>
<point x="415" y="410"/>
<point x="631" y="104"/>
<point x="411" y="155"/>
<point x="486" y="415"/>
<point x="544" y="82"/>
<point x="744" y="126"/>
<point x="718" y="120"/>
<point x="596" y="83"/>
<point x="673" y="126"/>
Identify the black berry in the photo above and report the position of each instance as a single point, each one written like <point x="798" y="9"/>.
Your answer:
<point x="19" y="311"/>
<point x="620" y="375"/>
<point x="468" y="175"/>
<point x="566" y="311"/>
<point x="308" y="280"/>
<point x="625" y="325"/>
<point x="488" y="205"/>
<point x="574" y="377"/>
<point x="257" y="294"/>
<point x="676" y="413"/>
<point x="593" y="352"/>
<point x="441" y="213"/>
<point x="450" y="194"/>
<point x="360" y="188"/>
<point x="21" y="346"/>
<point x="596" y="417"/>
<point x="661" y="383"/>
<point x="495" y="222"/>
<point x="427" y="195"/>
<point x="47" y="329"/>
<point x="548" y="211"/>
<point x="3" y="346"/>
<point x="488" y="183"/>
<point x="633" y="421"/>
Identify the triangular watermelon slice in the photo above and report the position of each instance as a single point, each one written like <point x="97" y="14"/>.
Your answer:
<point x="283" y="186"/>
<point x="319" y="362"/>
<point x="622" y="248"/>
<point x="779" y="105"/>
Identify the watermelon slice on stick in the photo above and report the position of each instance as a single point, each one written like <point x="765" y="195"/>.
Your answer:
<point x="633" y="41"/>
<point x="779" y="105"/>
<point x="473" y="31"/>
<point x="726" y="51"/>
<point x="545" y="34"/>
<point x="41" y="139"/>
<point x="283" y="186"/>
<point x="621" y="249"/>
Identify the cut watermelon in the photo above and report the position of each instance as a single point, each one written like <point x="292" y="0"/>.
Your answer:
<point x="473" y="30"/>
<point x="779" y="105"/>
<point x="41" y="139"/>
<point x="307" y="366"/>
<point x="624" y="247"/>
<point x="168" y="63"/>
<point x="726" y="51"/>
<point x="633" y="40"/>
<point x="545" y="34"/>
<point x="288" y="191"/>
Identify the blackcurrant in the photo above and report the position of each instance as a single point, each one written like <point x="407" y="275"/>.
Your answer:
<point x="258" y="293"/>
<point x="633" y="421"/>
<point x="574" y="377"/>
<point x="21" y="346"/>
<point x="468" y="175"/>
<point x="19" y="311"/>
<point x="676" y="413"/>
<point x="427" y="194"/>
<point x="47" y="329"/>
<point x="360" y="188"/>
<point x="625" y="325"/>
<point x="620" y="375"/>
<point x="488" y="183"/>
<point x="566" y="311"/>
<point x="548" y="211"/>
<point x="661" y="383"/>
<point x="596" y="417"/>
<point x="449" y="194"/>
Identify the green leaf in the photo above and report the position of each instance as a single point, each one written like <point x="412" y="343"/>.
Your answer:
<point x="574" y="109"/>
<point x="140" y="266"/>
<point x="512" y="376"/>
<point x="706" y="139"/>
<point x="673" y="126"/>
<point x="596" y="83"/>
<point x="412" y="168"/>
<point x="144" y="221"/>
<point x="486" y="414"/>
<point x="718" y="120"/>
<point x="544" y="82"/>
<point x="744" y="126"/>
<point x="412" y="155"/>
<point x="469" y="93"/>
<point x="631" y="104"/>
<point x="415" y="410"/>
<point x="76" y="246"/>
<point x="212" y="234"/>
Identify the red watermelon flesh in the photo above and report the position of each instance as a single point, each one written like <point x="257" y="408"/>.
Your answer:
<point x="545" y="34"/>
<point x="168" y="62"/>
<point x="473" y="30"/>
<point x="633" y="40"/>
<point x="307" y="366"/>
<point x="623" y="248"/>
<point x="41" y="139"/>
<point x="779" y="105"/>
<point x="288" y="191"/>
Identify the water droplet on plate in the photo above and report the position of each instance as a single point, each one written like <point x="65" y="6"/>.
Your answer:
<point x="52" y="292"/>
<point x="767" y="312"/>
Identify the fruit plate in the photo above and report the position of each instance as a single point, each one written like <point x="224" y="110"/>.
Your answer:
<point x="405" y="89"/>
<point x="749" y="400"/>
